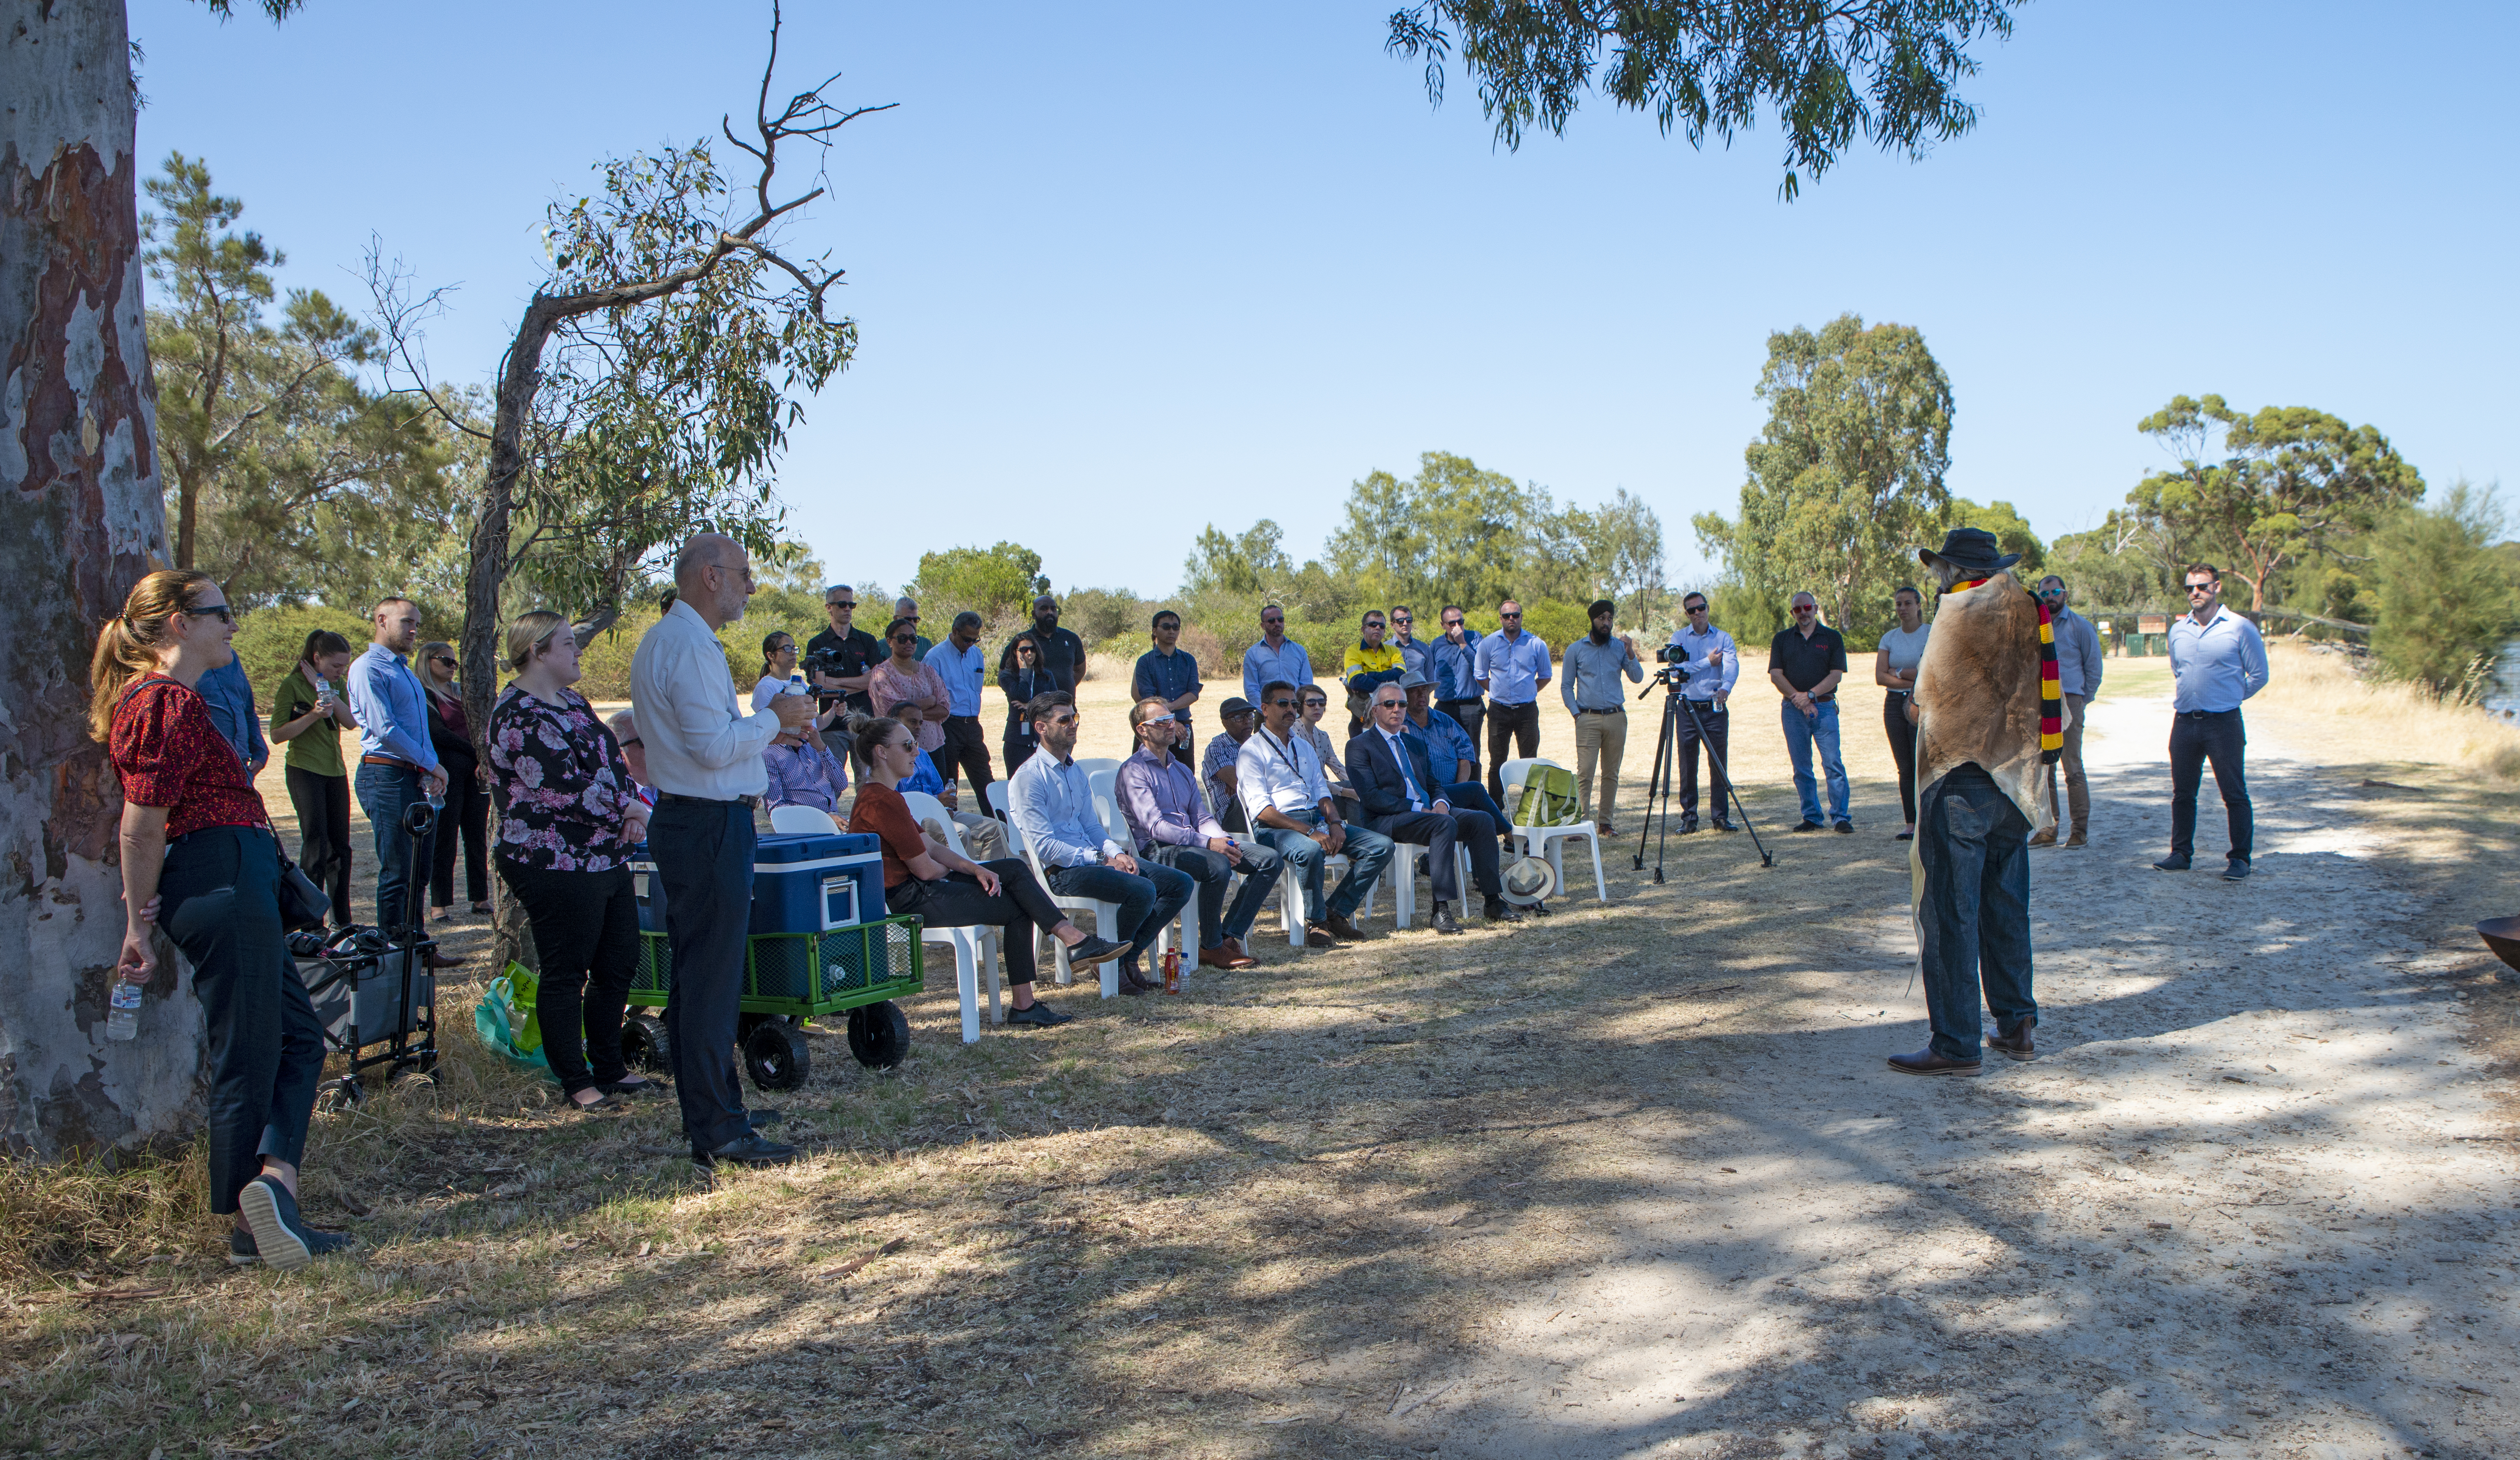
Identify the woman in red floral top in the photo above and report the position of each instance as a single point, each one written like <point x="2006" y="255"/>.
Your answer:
<point x="200" y="860"/>
<point x="568" y="815"/>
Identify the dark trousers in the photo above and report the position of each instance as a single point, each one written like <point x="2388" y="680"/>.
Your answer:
<point x="384" y="790"/>
<point x="1470" y="714"/>
<point x="221" y="887"/>
<point x="323" y="805"/>
<point x="1214" y="874"/>
<point x="703" y="853"/>
<point x="1903" y="749"/>
<point x="1470" y="795"/>
<point x="468" y="812"/>
<point x="966" y="756"/>
<point x="1147" y="900"/>
<point x="1439" y="834"/>
<point x="585" y="937"/>
<point x="1975" y="918"/>
<point x="1702" y="723"/>
<point x="954" y="900"/>
<point x="1510" y="726"/>
<point x="2194" y="739"/>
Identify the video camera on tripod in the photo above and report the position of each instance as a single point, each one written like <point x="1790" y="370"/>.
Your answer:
<point x="1671" y="671"/>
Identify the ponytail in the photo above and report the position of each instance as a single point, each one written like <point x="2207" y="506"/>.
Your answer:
<point x="126" y="645"/>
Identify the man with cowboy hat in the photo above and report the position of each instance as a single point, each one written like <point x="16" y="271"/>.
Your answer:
<point x="1982" y="705"/>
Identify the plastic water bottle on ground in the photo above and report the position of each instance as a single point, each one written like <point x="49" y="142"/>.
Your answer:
<point x="123" y="1017"/>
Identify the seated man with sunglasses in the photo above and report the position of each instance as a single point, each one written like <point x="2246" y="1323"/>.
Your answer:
<point x="1279" y="776"/>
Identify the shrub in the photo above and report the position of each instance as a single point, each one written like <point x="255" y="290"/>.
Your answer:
<point x="2446" y="598"/>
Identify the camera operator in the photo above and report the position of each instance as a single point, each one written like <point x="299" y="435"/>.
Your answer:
<point x="842" y="660"/>
<point x="1706" y="663"/>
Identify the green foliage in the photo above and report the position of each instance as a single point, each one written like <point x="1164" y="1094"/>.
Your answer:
<point x="1112" y="620"/>
<point x="2118" y="564"/>
<point x="268" y="640"/>
<point x="1883" y="71"/>
<point x="1556" y="620"/>
<point x="2447" y="600"/>
<point x="993" y="582"/>
<point x="1846" y="480"/>
<point x="2292" y="483"/>
<point x="1249" y="565"/>
<point x="288" y="479"/>
<point x="1458" y="534"/>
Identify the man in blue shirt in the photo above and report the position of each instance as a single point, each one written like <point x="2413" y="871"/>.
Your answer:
<point x="1404" y="637"/>
<point x="1275" y="656"/>
<point x="1512" y="669"/>
<point x="963" y="666"/>
<point x="1053" y="806"/>
<point x="230" y="697"/>
<point x="1710" y="665"/>
<point x="396" y="765"/>
<point x="1453" y="663"/>
<point x="1170" y="673"/>
<point x="2218" y="660"/>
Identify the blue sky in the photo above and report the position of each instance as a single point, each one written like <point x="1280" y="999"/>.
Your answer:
<point x="1124" y="270"/>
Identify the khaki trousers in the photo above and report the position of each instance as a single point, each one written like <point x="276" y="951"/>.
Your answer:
<point x="1602" y="737"/>
<point x="2078" y="791"/>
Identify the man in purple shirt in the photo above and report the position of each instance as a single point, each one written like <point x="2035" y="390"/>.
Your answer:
<point x="803" y="771"/>
<point x="1169" y="822"/>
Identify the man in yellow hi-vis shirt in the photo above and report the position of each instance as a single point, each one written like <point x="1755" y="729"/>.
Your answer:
<point x="1371" y="665"/>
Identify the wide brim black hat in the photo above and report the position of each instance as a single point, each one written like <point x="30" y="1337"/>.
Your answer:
<point x="1971" y="550"/>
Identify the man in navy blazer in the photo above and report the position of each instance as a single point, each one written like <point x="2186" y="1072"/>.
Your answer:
<point x="1398" y="795"/>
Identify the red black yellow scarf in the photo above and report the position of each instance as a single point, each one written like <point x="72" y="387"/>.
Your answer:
<point x="2051" y="695"/>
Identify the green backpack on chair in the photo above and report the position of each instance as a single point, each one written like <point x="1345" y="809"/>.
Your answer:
<point x="1547" y="798"/>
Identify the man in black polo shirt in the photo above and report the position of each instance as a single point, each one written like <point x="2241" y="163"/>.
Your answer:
<point x="1062" y="654"/>
<point x="855" y="651"/>
<point x="1805" y="663"/>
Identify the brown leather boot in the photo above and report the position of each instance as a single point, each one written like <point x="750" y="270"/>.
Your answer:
<point x="2046" y="838"/>
<point x="2015" y="1044"/>
<point x="2078" y="839"/>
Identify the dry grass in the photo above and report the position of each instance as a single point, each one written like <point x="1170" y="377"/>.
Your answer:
<point x="2321" y="691"/>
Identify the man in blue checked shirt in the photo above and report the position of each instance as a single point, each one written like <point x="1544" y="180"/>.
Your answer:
<point x="1513" y="670"/>
<point x="1275" y="656"/>
<point x="396" y="765"/>
<point x="1453" y="663"/>
<point x="1053" y="806"/>
<point x="2218" y="660"/>
<point x="1170" y="673"/>
<point x="963" y="666"/>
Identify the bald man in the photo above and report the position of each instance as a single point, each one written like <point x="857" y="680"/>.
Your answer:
<point x="703" y="758"/>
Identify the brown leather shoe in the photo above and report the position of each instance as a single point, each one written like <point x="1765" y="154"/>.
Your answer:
<point x="1342" y="927"/>
<point x="2078" y="839"/>
<point x="2015" y="1044"/>
<point x="1317" y="937"/>
<point x="1233" y="955"/>
<point x="1926" y="1061"/>
<point x="2044" y="838"/>
<point x="1133" y="982"/>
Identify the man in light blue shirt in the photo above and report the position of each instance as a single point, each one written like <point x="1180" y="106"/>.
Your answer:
<point x="2218" y="660"/>
<point x="1453" y="663"/>
<point x="2077" y="680"/>
<point x="396" y="765"/>
<point x="1710" y="665"/>
<point x="230" y="696"/>
<point x="963" y="666"/>
<point x="1051" y="804"/>
<point x="1512" y="669"/>
<point x="1275" y="656"/>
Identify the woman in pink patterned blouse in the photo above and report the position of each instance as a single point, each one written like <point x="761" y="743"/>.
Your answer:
<point x="903" y="677"/>
<point x="568" y="815"/>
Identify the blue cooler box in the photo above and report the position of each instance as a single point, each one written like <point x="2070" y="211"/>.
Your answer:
<point x="808" y="881"/>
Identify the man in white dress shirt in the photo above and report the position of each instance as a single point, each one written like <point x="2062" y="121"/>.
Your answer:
<point x="1278" y="774"/>
<point x="704" y="757"/>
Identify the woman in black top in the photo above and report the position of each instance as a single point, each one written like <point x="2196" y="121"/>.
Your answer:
<point x="467" y="788"/>
<point x="1022" y="676"/>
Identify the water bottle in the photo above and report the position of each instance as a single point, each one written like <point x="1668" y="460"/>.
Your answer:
<point x="123" y="1017"/>
<point x="323" y="690"/>
<point x="796" y="685"/>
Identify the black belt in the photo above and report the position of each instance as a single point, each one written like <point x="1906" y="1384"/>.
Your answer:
<point x="664" y="796"/>
<point x="1901" y="694"/>
<point x="1613" y="710"/>
<point x="950" y="718"/>
<point x="2204" y="715"/>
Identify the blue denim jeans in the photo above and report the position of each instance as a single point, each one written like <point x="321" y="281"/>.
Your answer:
<point x="1214" y="876"/>
<point x="1802" y="731"/>
<point x="1975" y="919"/>
<point x="384" y="790"/>
<point x="1367" y="853"/>
<point x="1147" y="899"/>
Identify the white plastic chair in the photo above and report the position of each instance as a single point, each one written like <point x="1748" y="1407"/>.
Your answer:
<point x="974" y="947"/>
<point x="1182" y="931"/>
<point x="1290" y="889"/>
<point x="1107" y="915"/>
<point x="792" y="819"/>
<point x="1403" y="889"/>
<point x="1549" y="841"/>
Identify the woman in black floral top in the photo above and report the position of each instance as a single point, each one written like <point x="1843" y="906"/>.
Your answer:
<point x="567" y="818"/>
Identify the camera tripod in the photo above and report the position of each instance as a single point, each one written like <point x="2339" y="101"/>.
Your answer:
<point x="1673" y="705"/>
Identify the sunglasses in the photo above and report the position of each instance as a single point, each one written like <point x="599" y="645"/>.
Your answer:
<point x="1515" y="614"/>
<point x="841" y="603"/>
<point x="1452" y="623"/>
<point x="1697" y="608"/>
<point x="441" y="659"/>
<point x="1282" y="704"/>
<point x="905" y="638"/>
<point x="220" y="611"/>
<point x="1805" y="608"/>
<point x="1374" y="624"/>
<point x="1404" y="619"/>
<point x="2203" y="587"/>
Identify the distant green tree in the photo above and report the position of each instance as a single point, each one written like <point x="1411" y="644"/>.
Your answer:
<point x="1880" y="70"/>
<point x="2447" y="599"/>
<point x="2290" y="482"/>
<point x="990" y="581"/>
<point x="1846" y="480"/>
<point x="1252" y="561"/>
<point x="1628" y="543"/>
<point x="1457" y="532"/>
<point x="2118" y="564"/>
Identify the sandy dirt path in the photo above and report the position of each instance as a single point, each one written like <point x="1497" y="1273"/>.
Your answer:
<point x="2252" y="1200"/>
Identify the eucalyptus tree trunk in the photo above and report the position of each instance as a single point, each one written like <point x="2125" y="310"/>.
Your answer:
<point x="81" y="518"/>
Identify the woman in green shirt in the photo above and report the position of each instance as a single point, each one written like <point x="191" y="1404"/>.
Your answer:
<point x="309" y="714"/>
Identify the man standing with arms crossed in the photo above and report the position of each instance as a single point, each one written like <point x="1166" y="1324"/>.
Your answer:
<point x="1453" y="668"/>
<point x="704" y="755"/>
<point x="2218" y="660"/>
<point x="397" y="766"/>
<point x="2078" y="678"/>
<point x="1710" y="666"/>
<point x="1805" y="663"/>
<point x="1595" y="697"/>
<point x="858" y="651"/>
<point x="1512" y="669"/>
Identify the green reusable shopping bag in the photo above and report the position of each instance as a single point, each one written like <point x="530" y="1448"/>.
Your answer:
<point x="1547" y="798"/>
<point x="505" y="1020"/>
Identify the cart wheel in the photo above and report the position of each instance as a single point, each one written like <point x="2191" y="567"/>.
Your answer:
<point x="879" y="1034"/>
<point x="644" y="1045"/>
<point x="775" y="1056"/>
<point x="343" y="1094"/>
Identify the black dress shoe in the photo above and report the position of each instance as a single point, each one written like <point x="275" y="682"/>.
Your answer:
<point x="2014" y="1044"/>
<point x="1038" y="1016"/>
<point x="1845" y="827"/>
<point x="2172" y="863"/>
<point x="1926" y="1061"/>
<point x="1720" y="824"/>
<point x="1541" y="909"/>
<point x="1499" y="910"/>
<point x="764" y="1117"/>
<point x="752" y="1149"/>
<point x="1442" y="921"/>
<point x="1687" y="823"/>
<point x="1340" y="928"/>
<point x="2237" y="871"/>
<point x="1807" y="825"/>
<point x="1096" y="949"/>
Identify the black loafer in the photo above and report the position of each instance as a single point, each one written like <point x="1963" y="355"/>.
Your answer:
<point x="1846" y="827"/>
<point x="1807" y="825"/>
<point x="2237" y="871"/>
<point x="2172" y="863"/>
<point x="1096" y="949"/>
<point x="1038" y="1016"/>
<point x="1720" y="824"/>
<point x="752" y="1149"/>
<point x="1926" y="1061"/>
